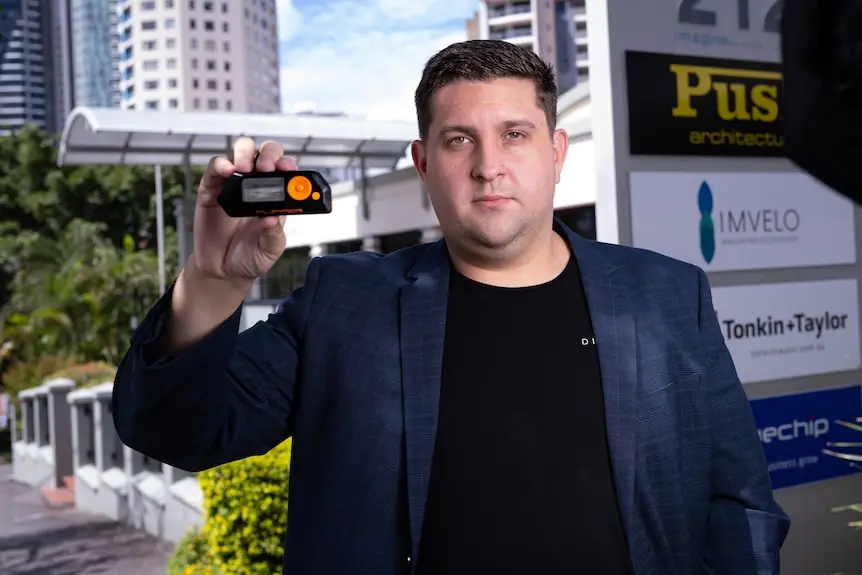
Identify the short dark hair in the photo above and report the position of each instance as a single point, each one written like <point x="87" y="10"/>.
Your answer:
<point x="482" y="61"/>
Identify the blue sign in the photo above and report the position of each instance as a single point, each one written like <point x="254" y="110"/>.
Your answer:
<point x="796" y="429"/>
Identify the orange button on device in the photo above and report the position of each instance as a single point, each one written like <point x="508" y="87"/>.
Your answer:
<point x="299" y="188"/>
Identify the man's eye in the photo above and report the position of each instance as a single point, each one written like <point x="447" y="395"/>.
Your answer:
<point x="458" y="140"/>
<point x="514" y="135"/>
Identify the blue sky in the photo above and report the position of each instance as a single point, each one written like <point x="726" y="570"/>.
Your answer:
<point x="363" y="57"/>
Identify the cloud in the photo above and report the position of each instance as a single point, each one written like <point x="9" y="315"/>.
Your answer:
<point x="289" y="20"/>
<point x="363" y="57"/>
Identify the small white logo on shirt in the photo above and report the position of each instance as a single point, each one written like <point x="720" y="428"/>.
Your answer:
<point x="585" y="341"/>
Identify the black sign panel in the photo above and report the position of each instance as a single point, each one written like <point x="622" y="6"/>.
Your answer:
<point x="689" y="106"/>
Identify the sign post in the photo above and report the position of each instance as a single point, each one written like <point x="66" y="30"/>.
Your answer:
<point x="686" y="99"/>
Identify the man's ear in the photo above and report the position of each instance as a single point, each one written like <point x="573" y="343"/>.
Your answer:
<point x="420" y="158"/>
<point x="561" y="149"/>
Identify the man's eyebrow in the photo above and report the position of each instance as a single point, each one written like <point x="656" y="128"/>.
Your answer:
<point x="456" y="128"/>
<point x="507" y="125"/>
<point x="510" y="124"/>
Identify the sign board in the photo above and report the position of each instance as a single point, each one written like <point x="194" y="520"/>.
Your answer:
<point x="795" y="430"/>
<point x="783" y="330"/>
<point x="737" y="29"/>
<point x="742" y="221"/>
<point x="688" y="106"/>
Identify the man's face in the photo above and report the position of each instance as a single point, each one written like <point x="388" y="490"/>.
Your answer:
<point x="490" y="163"/>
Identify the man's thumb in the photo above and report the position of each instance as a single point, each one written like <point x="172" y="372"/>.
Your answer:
<point x="272" y="239"/>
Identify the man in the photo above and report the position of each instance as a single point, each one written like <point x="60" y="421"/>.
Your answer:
<point x="512" y="399"/>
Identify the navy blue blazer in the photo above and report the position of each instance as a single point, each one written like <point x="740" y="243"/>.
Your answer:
<point x="350" y="366"/>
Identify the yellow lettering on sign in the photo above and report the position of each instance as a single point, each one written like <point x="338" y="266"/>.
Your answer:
<point x="732" y="100"/>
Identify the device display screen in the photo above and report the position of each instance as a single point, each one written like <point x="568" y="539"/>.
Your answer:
<point x="261" y="190"/>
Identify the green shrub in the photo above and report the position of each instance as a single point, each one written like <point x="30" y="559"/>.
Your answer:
<point x="87" y="374"/>
<point x="27" y="375"/>
<point x="245" y="509"/>
<point x="191" y="555"/>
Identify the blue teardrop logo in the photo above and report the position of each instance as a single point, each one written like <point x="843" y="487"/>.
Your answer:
<point x="707" y="227"/>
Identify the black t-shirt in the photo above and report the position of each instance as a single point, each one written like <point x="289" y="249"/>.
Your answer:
<point x="521" y="480"/>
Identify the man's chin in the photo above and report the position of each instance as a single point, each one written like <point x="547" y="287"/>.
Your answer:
<point x="489" y="238"/>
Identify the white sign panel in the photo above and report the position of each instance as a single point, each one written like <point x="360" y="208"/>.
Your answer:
<point x="740" y="29"/>
<point x="779" y="331"/>
<point x="742" y="221"/>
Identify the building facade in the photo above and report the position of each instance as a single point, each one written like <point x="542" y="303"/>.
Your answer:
<point x="35" y="84"/>
<point x="196" y="55"/>
<point x="94" y="45"/>
<point x="555" y="29"/>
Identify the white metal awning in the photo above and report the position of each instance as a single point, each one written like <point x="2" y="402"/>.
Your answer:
<point x="114" y="137"/>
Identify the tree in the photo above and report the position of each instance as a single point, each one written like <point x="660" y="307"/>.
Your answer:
<point x="42" y="197"/>
<point x="77" y="295"/>
<point x="38" y="196"/>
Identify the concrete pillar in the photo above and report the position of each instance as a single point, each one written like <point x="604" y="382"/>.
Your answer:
<point x="431" y="235"/>
<point x="370" y="244"/>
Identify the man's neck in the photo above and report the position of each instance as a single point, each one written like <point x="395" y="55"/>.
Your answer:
<point x="541" y="262"/>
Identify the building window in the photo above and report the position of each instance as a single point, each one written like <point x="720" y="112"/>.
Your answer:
<point x="212" y="104"/>
<point x="224" y="27"/>
<point x="195" y="83"/>
<point x="151" y="85"/>
<point x="209" y="25"/>
<point x="196" y="103"/>
<point x="152" y="104"/>
<point x="194" y="63"/>
<point x="146" y="6"/>
<point x="149" y="45"/>
<point x="171" y="43"/>
<point x="212" y="85"/>
<point x="210" y="45"/>
<point x="194" y="43"/>
<point x="173" y="103"/>
<point x="227" y="66"/>
<point x="150" y="64"/>
<point x="171" y="63"/>
<point x="172" y="82"/>
<point x="148" y="25"/>
<point x="226" y="46"/>
<point x="227" y="85"/>
<point x="208" y="6"/>
<point x="169" y="3"/>
<point x="170" y="23"/>
<point x="211" y="65"/>
<point x="228" y="105"/>
<point x="193" y="24"/>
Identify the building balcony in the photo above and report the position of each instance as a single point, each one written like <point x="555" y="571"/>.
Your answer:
<point x="510" y="19"/>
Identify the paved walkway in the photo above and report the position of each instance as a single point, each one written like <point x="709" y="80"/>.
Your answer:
<point x="37" y="540"/>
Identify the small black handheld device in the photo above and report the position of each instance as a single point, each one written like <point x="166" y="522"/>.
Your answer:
<point x="260" y="194"/>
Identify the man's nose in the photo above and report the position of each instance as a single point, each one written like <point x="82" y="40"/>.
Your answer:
<point x="488" y="162"/>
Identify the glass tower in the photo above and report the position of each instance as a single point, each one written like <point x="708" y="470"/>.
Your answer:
<point x="95" y="54"/>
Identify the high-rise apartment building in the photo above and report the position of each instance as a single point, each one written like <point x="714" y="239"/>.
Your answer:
<point x="555" y="29"/>
<point x="94" y="46"/>
<point x="190" y="55"/>
<point x="34" y="70"/>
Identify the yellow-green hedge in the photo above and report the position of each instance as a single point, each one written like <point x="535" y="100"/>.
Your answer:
<point x="191" y="556"/>
<point x="245" y="510"/>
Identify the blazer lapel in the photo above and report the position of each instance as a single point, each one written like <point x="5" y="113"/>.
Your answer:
<point x="423" y="326"/>
<point x="613" y="318"/>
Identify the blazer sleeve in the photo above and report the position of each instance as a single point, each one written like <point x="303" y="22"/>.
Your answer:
<point x="227" y="398"/>
<point x="746" y="526"/>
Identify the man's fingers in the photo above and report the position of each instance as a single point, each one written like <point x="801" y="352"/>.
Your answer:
<point x="286" y="164"/>
<point x="217" y="172"/>
<point x="268" y="155"/>
<point x="243" y="154"/>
